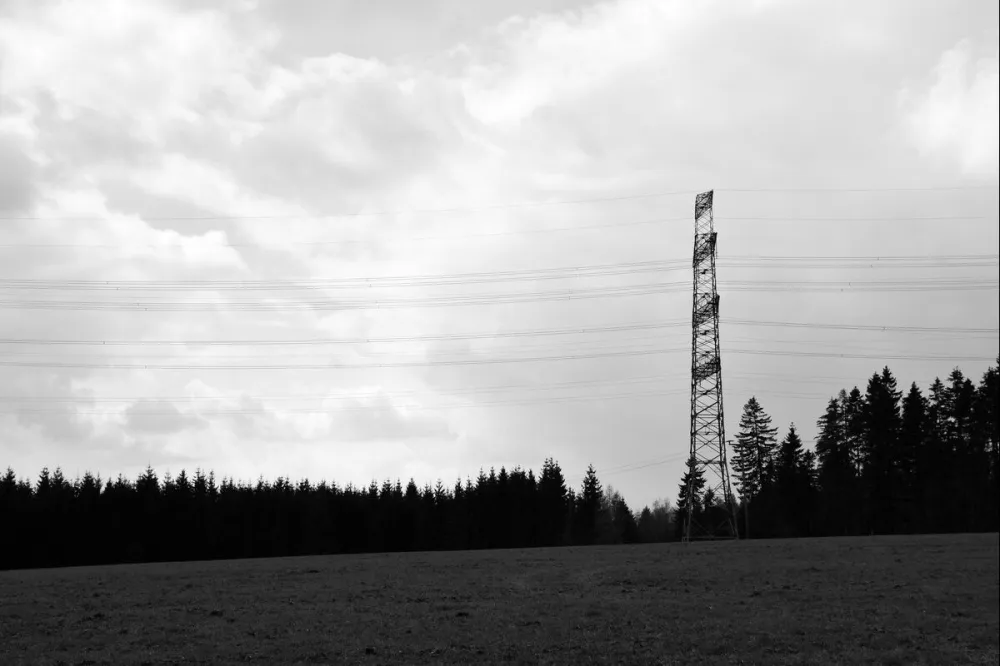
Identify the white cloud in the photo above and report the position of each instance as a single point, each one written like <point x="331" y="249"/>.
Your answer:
<point x="138" y="62"/>
<point x="555" y="58"/>
<point x="956" y="116"/>
<point x="139" y="114"/>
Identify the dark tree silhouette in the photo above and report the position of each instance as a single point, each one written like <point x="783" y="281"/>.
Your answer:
<point x="753" y="455"/>
<point x="883" y="463"/>
<point x="882" y="426"/>
<point x="793" y="486"/>
<point x="587" y="507"/>
<point x="697" y="504"/>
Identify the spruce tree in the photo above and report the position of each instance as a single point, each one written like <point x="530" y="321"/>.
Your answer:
<point x="987" y="417"/>
<point x="588" y="506"/>
<point x="882" y="426"/>
<point x="753" y="454"/>
<point x="793" y="483"/>
<point x="553" y="503"/>
<point x="852" y="407"/>
<point x="912" y="468"/>
<point x="696" y="507"/>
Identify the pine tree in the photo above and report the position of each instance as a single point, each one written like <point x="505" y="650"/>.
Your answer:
<point x="852" y="407"/>
<point x="882" y="426"/>
<point x="790" y="455"/>
<point x="830" y="447"/>
<point x="793" y="483"/>
<point x="753" y="454"/>
<point x="655" y="523"/>
<point x="646" y="526"/>
<point x="588" y="506"/>
<point x="553" y="503"/>
<point x="987" y="416"/>
<point x="697" y="491"/>
<point x="836" y="473"/>
<point x="912" y="461"/>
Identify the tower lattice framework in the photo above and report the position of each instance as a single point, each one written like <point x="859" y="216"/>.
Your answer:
<point x="708" y="437"/>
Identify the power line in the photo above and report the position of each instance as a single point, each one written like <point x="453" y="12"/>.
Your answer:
<point x="556" y="273"/>
<point x="341" y="214"/>
<point x="634" y="467"/>
<point x="150" y="304"/>
<point x="957" y="188"/>
<point x="263" y="410"/>
<point x="546" y="386"/>
<point x="862" y="327"/>
<point x="342" y="304"/>
<point x="497" y="206"/>
<point x="481" y="361"/>
<point x="935" y="218"/>
<point x="598" y="270"/>
<point x="636" y="326"/>
<point x="888" y="357"/>
<point x="513" y="232"/>
<point x="353" y="241"/>
<point x="477" y="390"/>
<point x="339" y="366"/>
<point x="582" y="346"/>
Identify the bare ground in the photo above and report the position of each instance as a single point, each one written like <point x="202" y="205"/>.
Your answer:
<point x="869" y="600"/>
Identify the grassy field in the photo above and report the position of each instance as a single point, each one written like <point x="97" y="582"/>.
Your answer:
<point x="871" y="600"/>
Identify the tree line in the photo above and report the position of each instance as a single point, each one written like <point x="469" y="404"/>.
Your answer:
<point x="883" y="463"/>
<point x="89" y="521"/>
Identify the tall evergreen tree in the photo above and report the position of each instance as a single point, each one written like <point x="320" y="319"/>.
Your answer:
<point x="937" y="500"/>
<point x="793" y="484"/>
<point x="971" y="467"/>
<point x="553" y="503"/>
<point x="696" y="505"/>
<point x="882" y="421"/>
<point x="987" y="416"/>
<point x="912" y="461"/>
<point x="753" y="454"/>
<point x="836" y="469"/>
<point x="588" y="507"/>
<point x="852" y="406"/>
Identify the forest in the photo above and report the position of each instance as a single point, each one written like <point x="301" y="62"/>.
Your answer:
<point x="885" y="461"/>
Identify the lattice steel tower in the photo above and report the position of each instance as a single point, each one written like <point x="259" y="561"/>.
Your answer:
<point x="708" y="437"/>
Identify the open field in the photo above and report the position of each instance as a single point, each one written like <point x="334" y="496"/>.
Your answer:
<point x="870" y="600"/>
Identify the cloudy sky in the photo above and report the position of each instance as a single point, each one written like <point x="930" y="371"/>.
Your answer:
<point x="429" y="196"/>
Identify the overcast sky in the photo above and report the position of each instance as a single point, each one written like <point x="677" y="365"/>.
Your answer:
<point x="207" y="147"/>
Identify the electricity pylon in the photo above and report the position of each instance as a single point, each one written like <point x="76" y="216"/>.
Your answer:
<point x="708" y="437"/>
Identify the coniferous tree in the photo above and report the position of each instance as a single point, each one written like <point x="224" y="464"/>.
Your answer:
<point x="693" y="505"/>
<point x="987" y="415"/>
<point x="882" y="421"/>
<point x="656" y="524"/>
<point x="645" y="525"/>
<point x="836" y="470"/>
<point x="588" y="507"/>
<point x="937" y="502"/>
<point x="912" y="462"/>
<point x="882" y="463"/>
<point x="554" y="501"/>
<point x="792" y="484"/>
<point x="969" y="463"/>
<point x="753" y="454"/>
